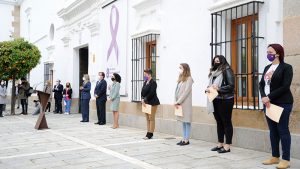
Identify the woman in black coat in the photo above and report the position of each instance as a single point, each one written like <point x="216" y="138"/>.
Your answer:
<point x="275" y="89"/>
<point x="149" y="96"/>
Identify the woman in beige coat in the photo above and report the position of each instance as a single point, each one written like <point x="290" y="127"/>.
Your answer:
<point x="183" y="98"/>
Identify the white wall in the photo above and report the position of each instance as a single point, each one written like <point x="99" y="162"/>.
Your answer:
<point x="6" y="22"/>
<point x="41" y="15"/>
<point x="185" y="30"/>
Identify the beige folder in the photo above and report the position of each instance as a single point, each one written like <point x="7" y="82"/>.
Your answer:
<point x="146" y="108"/>
<point x="274" y="112"/>
<point x="178" y="111"/>
<point x="212" y="94"/>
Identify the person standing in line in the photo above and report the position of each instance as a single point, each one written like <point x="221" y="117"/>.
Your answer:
<point x="149" y="96"/>
<point x="115" y="98"/>
<point x="17" y="94"/>
<point x="67" y="94"/>
<point x="3" y="94"/>
<point x="183" y="98"/>
<point x="48" y="89"/>
<point x="275" y="89"/>
<point x="23" y="88"/>
<point x="85" y="98"/>
<point x="221" y="78"/>
<point x="58" y="89"/>
<point x="101" y="98"/>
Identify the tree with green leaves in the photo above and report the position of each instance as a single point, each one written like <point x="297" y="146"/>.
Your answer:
<point x="17" y="59"/>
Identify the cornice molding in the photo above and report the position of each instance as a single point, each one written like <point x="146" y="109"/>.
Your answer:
<point x="75" y="7"/>
<point x="11" y="2"/>
<point x="225" y="4"/>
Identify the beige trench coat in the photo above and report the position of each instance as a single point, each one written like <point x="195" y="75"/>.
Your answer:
<point x="183" y="96"/>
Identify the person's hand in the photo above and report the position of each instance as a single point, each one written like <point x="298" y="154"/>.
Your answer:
<point x="266" y="101"/>
<point x="215" y="86"/>
<point x="64" y="95"/>
<point x="96" y="96"/>
<point x="143" y="102"/>
<point x="81" y="88"/>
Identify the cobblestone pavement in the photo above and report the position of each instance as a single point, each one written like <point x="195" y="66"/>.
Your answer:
<point x="69" y="144"/>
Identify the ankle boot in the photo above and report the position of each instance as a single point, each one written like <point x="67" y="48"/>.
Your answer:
<point x="147" y="136"/>
<point x="283" y="164"/>
<point x="150" y="135"/>
<point x="273" y="160"/>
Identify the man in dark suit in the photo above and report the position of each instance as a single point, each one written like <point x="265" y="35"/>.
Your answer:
<point x="100" y="95"/>
<point x="58" y="95"/>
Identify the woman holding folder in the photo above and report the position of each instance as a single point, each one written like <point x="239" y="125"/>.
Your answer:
<point x="221" y="78"/>
<point x="183" y="100"/>
<point x="275" y="89"/>
<point x="149" y="97"/>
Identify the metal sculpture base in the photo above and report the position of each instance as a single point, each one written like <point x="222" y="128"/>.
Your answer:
<point x="41" y="122"/>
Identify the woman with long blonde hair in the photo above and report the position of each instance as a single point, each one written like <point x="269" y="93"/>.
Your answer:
<point x="183" y="98"/>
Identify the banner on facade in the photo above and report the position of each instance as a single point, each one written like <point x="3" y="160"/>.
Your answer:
<point x="115" y="41"/>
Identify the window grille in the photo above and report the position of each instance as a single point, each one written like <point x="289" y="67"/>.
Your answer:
<point x="144" y="56"/>
<point x="235" y="34"/>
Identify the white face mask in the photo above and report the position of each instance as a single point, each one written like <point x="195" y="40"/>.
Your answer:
<point x="99" y="78"/>
<point x="57" y="83"/>
<point x="2" y="83"/>
<point x="83" y="79"/>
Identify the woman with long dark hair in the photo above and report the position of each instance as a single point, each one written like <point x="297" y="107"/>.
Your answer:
<point x="221" y="78"/>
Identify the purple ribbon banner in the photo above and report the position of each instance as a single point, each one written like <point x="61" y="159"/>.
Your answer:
<point x="114" y="31"/>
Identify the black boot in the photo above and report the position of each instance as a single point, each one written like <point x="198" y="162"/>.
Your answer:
<point x="147" y="136"/>
<point x="150" y="135"/>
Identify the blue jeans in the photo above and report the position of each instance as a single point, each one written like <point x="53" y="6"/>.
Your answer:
<point x="68" y="105"/>
<point x="280" y="132"/>
<point x="186" y="130"/>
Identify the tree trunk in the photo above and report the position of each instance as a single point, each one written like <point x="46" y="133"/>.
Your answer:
<point x="13" y="97"/>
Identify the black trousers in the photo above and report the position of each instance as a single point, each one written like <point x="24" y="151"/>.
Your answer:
<point x="101" y="110"/>
<point x="58" y="105"/>
<point x="223" y="113"/>
<point x="24" y="105"/>
<point x="1" y="109"/>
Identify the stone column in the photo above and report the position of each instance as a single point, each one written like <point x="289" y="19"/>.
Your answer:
<point x="291" y="40"/>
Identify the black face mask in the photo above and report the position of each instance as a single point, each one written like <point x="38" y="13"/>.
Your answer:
<point x="113" y="79"/>
<point x="67" y="85"/>
<point x="216" y="65"/>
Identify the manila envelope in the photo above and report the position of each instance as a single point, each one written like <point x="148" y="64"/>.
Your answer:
<point x="212" y="94"/>
<point x="178" y="111"/>
<point x="146" y="108"/>
<point x="274" y="112"/>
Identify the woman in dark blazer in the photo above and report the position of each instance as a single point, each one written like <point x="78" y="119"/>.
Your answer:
<point x="149" y="96"/>
<point x="275" y="89"/>
<point x="85" y="98"/>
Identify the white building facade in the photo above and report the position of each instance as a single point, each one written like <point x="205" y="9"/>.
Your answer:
<point x="79" y="37"/>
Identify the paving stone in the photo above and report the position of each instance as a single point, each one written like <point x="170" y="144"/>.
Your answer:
<point x="69" y="144"/>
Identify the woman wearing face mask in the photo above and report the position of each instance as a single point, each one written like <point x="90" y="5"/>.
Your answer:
<point x="2" y="97"/>
<point x="183" y="98"/>
<point x="115" y="98"/>
<point x="221" y="78"/>
<point x="275" y="89"/>
<point x="149" y="96"/>
<point x="85" y="98"/>
<point x="67" y="94"/>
